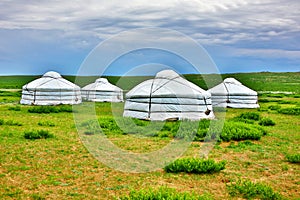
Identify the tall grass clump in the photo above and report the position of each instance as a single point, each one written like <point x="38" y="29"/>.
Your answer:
<point x="46" y="123"/>
<point x="50" y="109"/>
<point x="249" y="190"/>
<point x="1" y="121"/>
<point x="15" y="108"/>
<point x="109" y="125"/>
<point x="194" y="165"/>
<point x="266" y="122"/>
<point x="240" y="131"/>
<point x="37" y="134"/>
<point x="163" y="193"/>
<point x="12" y="123"/>
<point x="274" y="107"/>
<point x="293" y="158"/>
<point x="249" y="117"/>
<point x="290" y="111"/>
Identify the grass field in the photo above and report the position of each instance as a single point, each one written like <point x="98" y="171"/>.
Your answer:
<point x="60" y="167"/>
<point x="262" y="81"/>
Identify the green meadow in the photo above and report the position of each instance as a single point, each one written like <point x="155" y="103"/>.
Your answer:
<point x="256" y="156"/>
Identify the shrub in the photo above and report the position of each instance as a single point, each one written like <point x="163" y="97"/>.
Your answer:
<point x="65" y="108"/>
<point x="250" y="116"/>
<point x="274" y="107"/>
<point x="240" y="131"/>
<point x="140" y="122"/>
<point x="109" y="125"/>
<point x="264" y="100"/>
<point x="163" y="193"/>
<point x="16" y="108"/>
<point x="248" y="190"/>
<point x="50" y="109"/>
<point x="193" y="165"/>
<point x="290" y="111"/>
<point x="43" y="109"/>
<point x="1" y="121"/>
<point x="266" y="122"/>
<point x="293" y="158"/>
<point x="13" y="123"/>
<point x="287" y="102"/>
<point x="39" y="134"/>
<point x="46" y="123"/>
<point x="238" y="119"/>
<point x="241" y="145"/>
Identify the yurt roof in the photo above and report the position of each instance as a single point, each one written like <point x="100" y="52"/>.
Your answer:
<point x="51" y="80"/>
<point x="101" y="84"/>
<point x="231" y="86"/>
<point x="167" y="83"/>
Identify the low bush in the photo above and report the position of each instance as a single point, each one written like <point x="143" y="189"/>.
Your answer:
<point x="290" y="111"/>
<point x="293" y="158"/>
<point x="287" y="102"/>
<point x="65" y="108"/>
<point x="263" y="100"/>
<point x="163" y="193"/>
<point x="109" y="125"/>
<point x="230" y="130"/>
<point x="39" y="134"/>
<point x="275" y="95"/>
<point x="12" y="123"/>
<point x="241" y="145"/>
<point x="274" y="107"/>
<point x="249" y="116"/>
<point x="46" y="123"/>
<point x="249" y="190"/>
<point x="10" y="94"/>
<point x="50" y="109"/>
<point x="193" y="165"/>
<point x="266" y="122"/>
<point x="240" y="131"/>
<point x="15" y="108"/>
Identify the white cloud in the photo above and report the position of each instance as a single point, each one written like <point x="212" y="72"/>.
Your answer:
<point x="237" y="23"/>
<point x="270" y="53"/>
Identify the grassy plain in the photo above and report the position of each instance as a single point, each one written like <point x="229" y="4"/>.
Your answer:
<point x="261" y="81"/>
<point x="62" y="168"/>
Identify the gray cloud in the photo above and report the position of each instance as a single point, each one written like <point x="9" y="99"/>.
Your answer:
<point x="256" y="27"/>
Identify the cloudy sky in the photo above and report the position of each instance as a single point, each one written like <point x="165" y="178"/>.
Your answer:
<point x="239" y="35"/>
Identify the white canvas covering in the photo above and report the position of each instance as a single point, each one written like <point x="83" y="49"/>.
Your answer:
<point x="102" y="91"/>
<point x="50" y="89"/>
<point x="233" y="94"/>
<point x="168" y="96"/>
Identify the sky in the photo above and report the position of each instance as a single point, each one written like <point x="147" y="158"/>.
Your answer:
<point x="238" y="35"/>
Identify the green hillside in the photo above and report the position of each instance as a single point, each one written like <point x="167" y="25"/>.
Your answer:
<point x="262" y="81"/>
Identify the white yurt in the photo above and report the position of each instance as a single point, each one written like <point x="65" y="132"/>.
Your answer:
<point x="168" y="96"/>
<point x="233" y="94"/>
<point x="102" y="91"/>
<point x="50" y="89"/>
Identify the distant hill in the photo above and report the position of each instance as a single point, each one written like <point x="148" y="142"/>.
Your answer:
<point x="261" y="81"/>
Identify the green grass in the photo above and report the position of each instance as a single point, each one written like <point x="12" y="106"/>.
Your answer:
<point x="62" y="168"/>
<point x="293" y="158"/>
<point x="50" y="109"/>
<point x="37" y="134"/>
<point x="195" y="166"/>
<point x="250" y="190"/>
<point x="262" y="81"/>
<point x="163" y="193"/>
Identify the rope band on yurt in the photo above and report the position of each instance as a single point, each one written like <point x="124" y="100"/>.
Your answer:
<point x="150" y="99"/>
<point x="227" y="96"/>
<point x="207" y="112"/>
